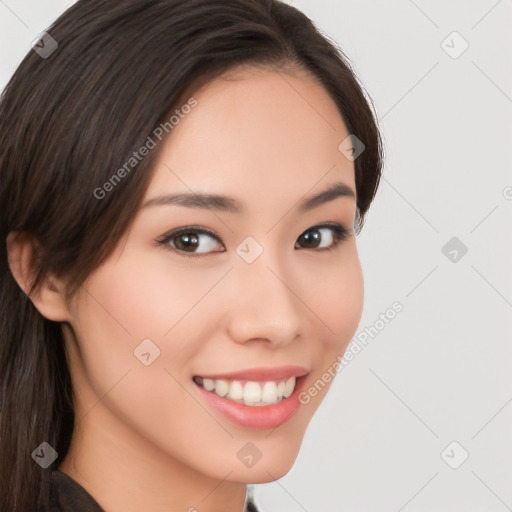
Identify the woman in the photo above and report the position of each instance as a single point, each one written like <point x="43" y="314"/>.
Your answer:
<point x="181" y="183"/>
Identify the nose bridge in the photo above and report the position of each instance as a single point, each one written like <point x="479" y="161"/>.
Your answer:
<point x="264" y="305"/>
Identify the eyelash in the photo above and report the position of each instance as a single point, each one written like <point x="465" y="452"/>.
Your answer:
<point x="340" y="233"/>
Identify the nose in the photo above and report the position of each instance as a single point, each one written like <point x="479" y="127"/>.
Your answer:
<point x="264" y="305"/>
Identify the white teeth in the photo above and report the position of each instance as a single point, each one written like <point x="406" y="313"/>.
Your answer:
<point x="221" y="387"/>
<point x="288" y="388"/>
<point x="270" y="393"/>
<point x="236" y="391"/>
<point x="252" y="393"/>
<point x="209" y="384"/>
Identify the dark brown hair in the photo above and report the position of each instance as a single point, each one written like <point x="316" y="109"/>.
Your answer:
<point x="68" y="120"/>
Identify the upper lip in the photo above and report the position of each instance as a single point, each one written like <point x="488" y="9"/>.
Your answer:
<point x="260" y="374"/>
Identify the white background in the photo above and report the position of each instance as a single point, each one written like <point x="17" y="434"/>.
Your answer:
<point x="441" y="370"/>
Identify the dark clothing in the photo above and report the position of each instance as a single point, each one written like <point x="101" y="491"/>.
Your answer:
<point x="67" y="495"/>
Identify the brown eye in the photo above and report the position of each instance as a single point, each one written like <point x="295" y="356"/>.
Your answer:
<point x="328" y="235"/>
<point x="186" y="242"/>
<point x="191" y="240"/>
<point x="197" y="242"/>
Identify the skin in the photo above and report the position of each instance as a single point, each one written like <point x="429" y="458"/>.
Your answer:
<point x="141" y="441"/>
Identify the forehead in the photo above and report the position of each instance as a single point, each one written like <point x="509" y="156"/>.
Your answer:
<point x="256" y="133"/>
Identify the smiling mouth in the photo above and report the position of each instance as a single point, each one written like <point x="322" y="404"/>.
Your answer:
<point x="251" y="393"/>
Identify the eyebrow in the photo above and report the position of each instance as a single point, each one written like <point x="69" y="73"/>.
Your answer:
<point x="230" y="204"/>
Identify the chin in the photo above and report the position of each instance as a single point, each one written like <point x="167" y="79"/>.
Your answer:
<point x="261" y="475"/>
<point x="273" y="466"/>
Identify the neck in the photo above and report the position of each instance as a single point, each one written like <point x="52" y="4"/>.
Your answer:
<point x="127" y="474"/>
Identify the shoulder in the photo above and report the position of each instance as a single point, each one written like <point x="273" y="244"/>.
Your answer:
<point x="250" y="506"/>
<point x="67" y="495"/>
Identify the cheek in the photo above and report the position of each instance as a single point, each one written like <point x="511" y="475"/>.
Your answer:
<point x="124" y="303"/>
<point x="335" y="294"/>
<point x="140" y="298"/>
<point x="347" y="305"/>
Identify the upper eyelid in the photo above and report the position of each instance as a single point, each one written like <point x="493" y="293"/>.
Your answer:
<point x="207" y="231"/>
<point x="189" y="229"/>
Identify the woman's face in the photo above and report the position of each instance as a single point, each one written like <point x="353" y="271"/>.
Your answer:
<point x="267" y="289"/>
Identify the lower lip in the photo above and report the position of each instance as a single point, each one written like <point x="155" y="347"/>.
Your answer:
<point x="257" y="417"/>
